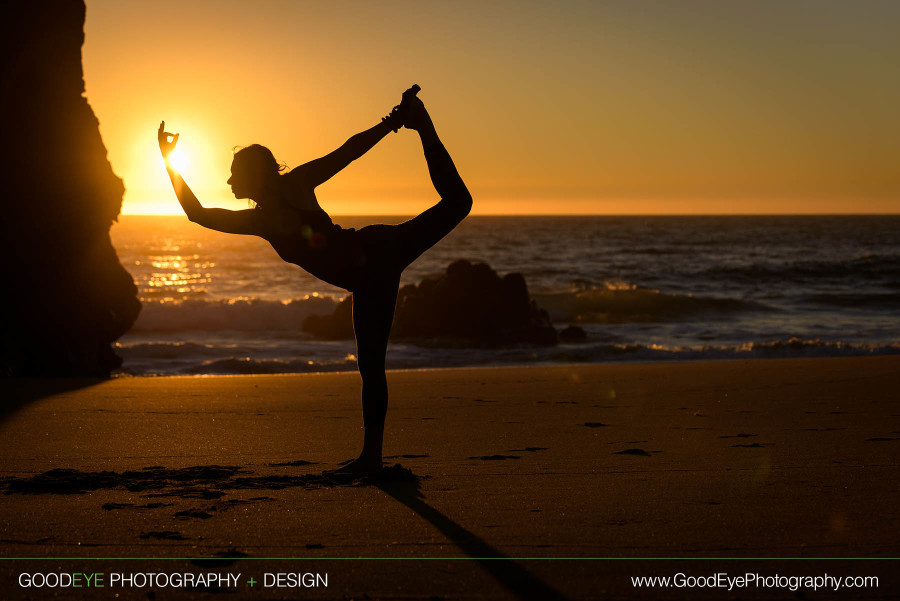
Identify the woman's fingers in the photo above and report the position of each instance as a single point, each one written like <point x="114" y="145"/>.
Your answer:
<point x="165" y="146"/>
<point x="164" y="135"/>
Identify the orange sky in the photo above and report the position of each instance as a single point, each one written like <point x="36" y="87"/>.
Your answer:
<point x="546" y="107"/>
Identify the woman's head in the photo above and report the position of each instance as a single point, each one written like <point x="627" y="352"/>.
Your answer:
<point x="254" y="172"/>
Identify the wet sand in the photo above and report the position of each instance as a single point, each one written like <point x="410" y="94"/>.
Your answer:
<point x="747" y="459"/>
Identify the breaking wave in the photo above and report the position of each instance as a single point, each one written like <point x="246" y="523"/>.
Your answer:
<point x="245" y="365"/>
<point x="247" y="315"/>
<point x="623" y="303"/>
<point x="312" y="356"/>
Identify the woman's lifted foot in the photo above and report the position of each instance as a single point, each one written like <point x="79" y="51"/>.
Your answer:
<point x="417" y="118"/>
<point x="397" y="118"/>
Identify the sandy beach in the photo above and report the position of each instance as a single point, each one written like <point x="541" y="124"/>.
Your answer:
<point x="735" y="459"/>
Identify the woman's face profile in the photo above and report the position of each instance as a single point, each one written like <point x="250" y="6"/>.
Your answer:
<point x="243" y="181"/>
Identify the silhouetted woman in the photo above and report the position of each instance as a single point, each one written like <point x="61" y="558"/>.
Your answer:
<point x="366" y="262"/>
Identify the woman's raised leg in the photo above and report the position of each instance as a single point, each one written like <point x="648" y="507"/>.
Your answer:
<point x="417" y="235"/>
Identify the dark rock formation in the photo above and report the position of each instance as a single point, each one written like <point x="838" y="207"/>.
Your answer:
<point x="470" y="303"/>
<point x="337" y="326"/>
<point x="66" y="296"/>
<point x="573" y="334"/>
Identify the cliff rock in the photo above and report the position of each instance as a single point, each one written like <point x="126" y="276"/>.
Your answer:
<point x="66" y="297"/>
<point x="470" y="303"/>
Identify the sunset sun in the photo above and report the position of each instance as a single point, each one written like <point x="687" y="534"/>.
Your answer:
<point x="179" y="160"/>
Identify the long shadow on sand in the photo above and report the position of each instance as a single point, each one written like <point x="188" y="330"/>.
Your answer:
<point x="16" y="393"/>
<point x="213" y="482"/>
<point x="197" y="482"/>
<point x="513" y="577"/>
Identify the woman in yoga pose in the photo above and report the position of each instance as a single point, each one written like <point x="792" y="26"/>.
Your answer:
<point x="366" y="262"/>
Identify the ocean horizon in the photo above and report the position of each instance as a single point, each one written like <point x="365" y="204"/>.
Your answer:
<point x="643" y="288"/>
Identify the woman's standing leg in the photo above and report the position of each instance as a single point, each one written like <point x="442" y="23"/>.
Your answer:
<point x="373" y="314"/>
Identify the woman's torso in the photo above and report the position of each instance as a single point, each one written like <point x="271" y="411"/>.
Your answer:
<point x="301" y="232"/>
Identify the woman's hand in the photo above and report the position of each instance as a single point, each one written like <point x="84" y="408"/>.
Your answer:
<point x="165" y="146"/>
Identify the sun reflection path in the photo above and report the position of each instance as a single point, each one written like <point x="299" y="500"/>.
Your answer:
<point x="173" y="274"/>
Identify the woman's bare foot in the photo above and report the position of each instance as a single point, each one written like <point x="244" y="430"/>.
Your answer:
<point x="361" y="466"/>
<point x="417" y="118"/>
<point x="397" y="118"/>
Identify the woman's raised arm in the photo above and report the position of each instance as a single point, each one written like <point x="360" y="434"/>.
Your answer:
<point x="321" y="170"/>
<point x="223" y="220"/>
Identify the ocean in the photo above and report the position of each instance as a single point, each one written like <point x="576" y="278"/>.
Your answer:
<point x="643" y="288"/>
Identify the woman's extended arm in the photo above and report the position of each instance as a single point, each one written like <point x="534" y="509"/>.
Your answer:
<point x="223" y="220"/>
<point x="321" y="170"/>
